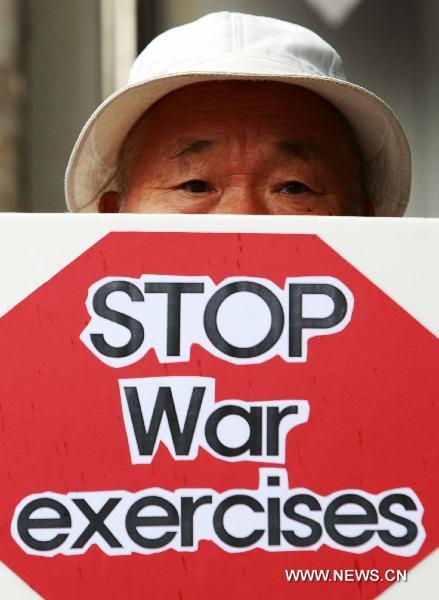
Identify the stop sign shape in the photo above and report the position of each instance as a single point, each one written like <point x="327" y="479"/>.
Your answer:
<point x="185" y="414"/>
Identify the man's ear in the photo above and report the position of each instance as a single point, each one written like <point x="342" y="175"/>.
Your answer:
<point x="110" y="202"/>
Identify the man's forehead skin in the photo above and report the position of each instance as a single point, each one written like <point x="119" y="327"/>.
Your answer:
<point x="302" y="149"/>
<point x="286" y="114"/>
<point x="190" y="152"/>
<point x="299" y="149"/>
<point x="239" y="127"/>
<point x="267" y="106"/>
<point x="193" y="146"/>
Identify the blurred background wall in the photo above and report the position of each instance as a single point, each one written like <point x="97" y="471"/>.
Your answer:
<point x="10" y="82"/>
<point x="58" y="60"/>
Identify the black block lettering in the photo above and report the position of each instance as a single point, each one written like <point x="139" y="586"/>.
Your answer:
<point x="96" y="522"/>
<point x="273" y="521"/>
<point x="298" y="323"/>
<point x="332" y="520"/>
<point x="211" y="324"/>
<point x="274" y="418"/>
<point x="315" y="527"/>
<point x="182" y="439"/>
<point x="133" y="522"/>
<point x="25" y="522"/>
<point x="135" y="327"/>
<point x="253" y="418"/>
<point x="411" y="528"/>
<point x="218" y="521"/>
<point x="188" y="509"/>
<point x="174" y="292"/>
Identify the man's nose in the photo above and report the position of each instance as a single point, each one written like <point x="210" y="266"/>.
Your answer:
<point x="243" y="200"/>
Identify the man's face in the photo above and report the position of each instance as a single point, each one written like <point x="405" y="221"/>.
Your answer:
<point x="244" y="148"/>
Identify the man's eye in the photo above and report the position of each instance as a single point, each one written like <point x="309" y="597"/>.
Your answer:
<point x="196" y="186"/>
<point x="294" y="187"/>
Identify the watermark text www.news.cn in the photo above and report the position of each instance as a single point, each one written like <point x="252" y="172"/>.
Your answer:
<point x="345" y="575"/>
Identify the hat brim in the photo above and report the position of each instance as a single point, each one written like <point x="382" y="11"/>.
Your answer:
<point x="385" y="151"/>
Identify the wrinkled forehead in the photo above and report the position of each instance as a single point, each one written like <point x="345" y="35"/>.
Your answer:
<point x="234" y="108"/>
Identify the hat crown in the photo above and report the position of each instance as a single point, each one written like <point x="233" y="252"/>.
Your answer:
<point x="226" y="41"/>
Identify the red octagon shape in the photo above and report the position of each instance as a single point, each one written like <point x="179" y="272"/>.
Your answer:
<point x="372" y="391"/>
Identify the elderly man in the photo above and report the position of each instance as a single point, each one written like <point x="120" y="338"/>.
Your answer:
<point x="240" y="114"/>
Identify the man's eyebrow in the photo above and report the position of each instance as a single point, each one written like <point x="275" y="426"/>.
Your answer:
<point x="192" y="147"/>
<point x="304" y="150"/>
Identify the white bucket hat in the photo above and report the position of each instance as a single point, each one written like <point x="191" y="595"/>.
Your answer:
<point x="228" y="45"/>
